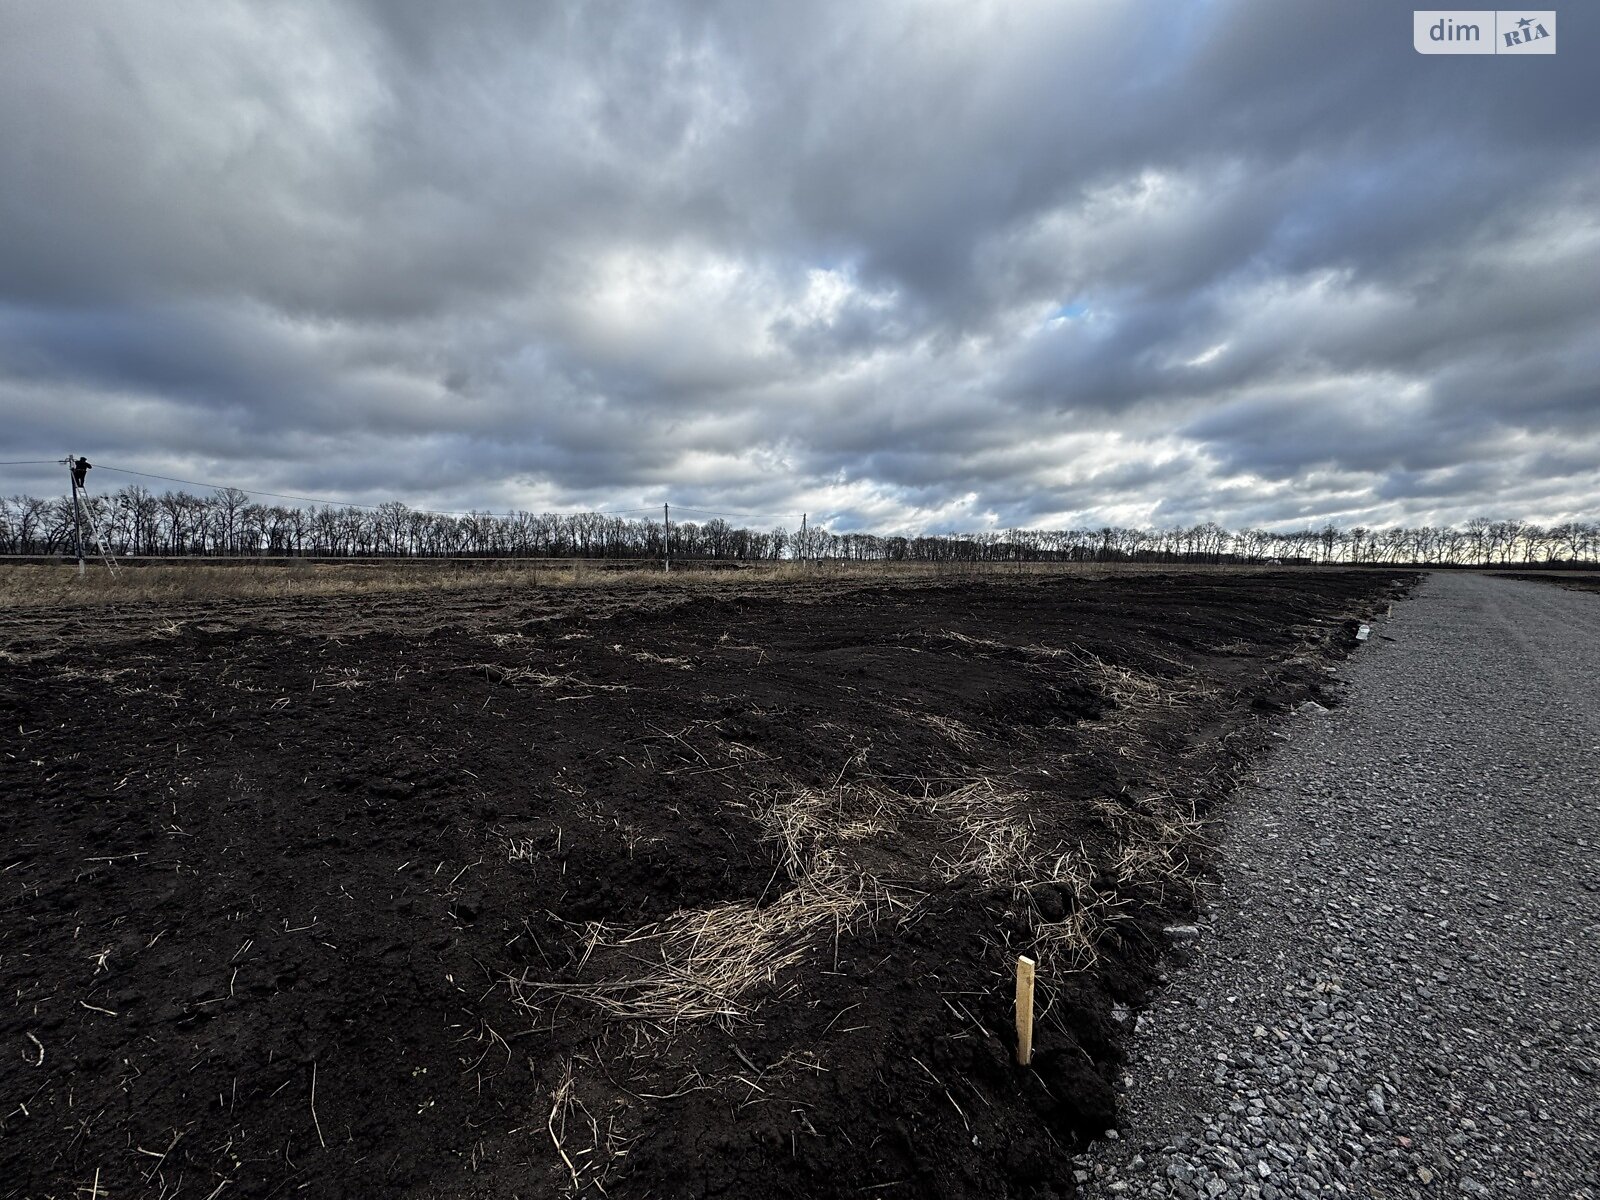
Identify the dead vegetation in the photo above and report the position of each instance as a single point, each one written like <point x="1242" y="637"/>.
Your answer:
<point x="721" y="961"/>
<point x="25" y="586"/>
<point x="648" y="656"/>
<point x="515" y="676"/>
<point x="36" y="585"/>
<point x="708" y="962"/>
<point x="343" y="677"/>
<point x="571" y="1123"/>
<point x="961" y="736"/>
<point x="1127" y="687"/>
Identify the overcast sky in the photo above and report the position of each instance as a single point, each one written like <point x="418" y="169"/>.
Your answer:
<point x="904" y="266"/>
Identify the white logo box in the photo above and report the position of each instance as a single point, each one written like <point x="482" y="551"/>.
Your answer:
<point x="1484" y="31"/>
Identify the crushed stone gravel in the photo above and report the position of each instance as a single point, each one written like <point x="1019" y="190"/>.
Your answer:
<point x="1394" y="991"/>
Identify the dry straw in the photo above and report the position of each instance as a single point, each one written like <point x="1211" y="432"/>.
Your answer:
<point x="721" y="960"/>
<point x="709" y="962"/>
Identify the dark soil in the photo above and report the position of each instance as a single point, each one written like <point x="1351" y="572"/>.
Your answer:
<point x="1576" y="581"/>
<point x="271" y="870"/>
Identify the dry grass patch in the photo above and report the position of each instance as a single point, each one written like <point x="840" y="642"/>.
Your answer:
<point x="1155" y="845"/>
<point x="348" y="678"/>
<point x="37" y="585"/>
<point x="709" y="962"/>
<point x="963" y="737"/>
<point x="571" y="1122"/>
<point x="514" y="676"/>
<point x="1130" y="689"/>
<point x="810" y="825"/>
<point x="30" y="586"/>
<point x="649" y="656"/>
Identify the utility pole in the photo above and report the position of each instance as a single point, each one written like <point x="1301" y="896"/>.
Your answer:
<point x="666" y="537"/>
<point x="75" y="470"/>
<point x="805" y="544"/>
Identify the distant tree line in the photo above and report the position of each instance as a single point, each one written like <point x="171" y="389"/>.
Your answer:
<point x="137" y="521"/>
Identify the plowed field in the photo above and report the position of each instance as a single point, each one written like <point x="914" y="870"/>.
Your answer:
<point x="662" y="892"/>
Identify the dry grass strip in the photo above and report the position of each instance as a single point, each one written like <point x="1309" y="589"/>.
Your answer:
<point x="720" y="961"/>
<point x="707" y="963"/>
<point x="538" y="678"/>
<point x="1131" y="690"/>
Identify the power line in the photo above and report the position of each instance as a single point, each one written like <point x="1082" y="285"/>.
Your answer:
<point x="33" y="462"/>
<point x="708" y="512"/>
<point x="254" y="492"/>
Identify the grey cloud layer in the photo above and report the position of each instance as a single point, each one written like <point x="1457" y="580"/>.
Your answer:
<point x="913" y="265"/>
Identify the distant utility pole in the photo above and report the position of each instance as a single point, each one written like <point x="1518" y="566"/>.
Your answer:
<point x="804" y="543"/>
<point x="76" y="469"/>
<point x="666" y="537"/>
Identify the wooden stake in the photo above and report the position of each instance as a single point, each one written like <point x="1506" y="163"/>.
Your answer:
<point x="1024" y="1009"/>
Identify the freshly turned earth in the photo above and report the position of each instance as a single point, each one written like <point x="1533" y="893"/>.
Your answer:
<point x="270" y="870"/>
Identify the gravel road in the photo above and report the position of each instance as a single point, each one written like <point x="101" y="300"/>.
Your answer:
<point x="1394" y="992"/>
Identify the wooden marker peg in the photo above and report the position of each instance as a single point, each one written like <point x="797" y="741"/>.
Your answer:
<point x="1024" y="1009"/>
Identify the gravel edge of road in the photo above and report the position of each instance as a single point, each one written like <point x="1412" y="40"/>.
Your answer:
<point x="1328" y="1033"/>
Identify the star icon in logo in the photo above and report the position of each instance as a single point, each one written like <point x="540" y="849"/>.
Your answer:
<point x="1525" y="22"/>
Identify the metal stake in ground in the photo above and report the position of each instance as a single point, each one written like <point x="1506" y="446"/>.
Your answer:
<point x="1024" y="1009"/>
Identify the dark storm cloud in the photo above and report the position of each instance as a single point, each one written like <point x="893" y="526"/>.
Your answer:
<point x="909" y="265"/>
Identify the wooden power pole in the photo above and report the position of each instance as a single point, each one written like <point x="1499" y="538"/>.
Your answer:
<point x="666" y="537"/>
<point x="75" y="476"/>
